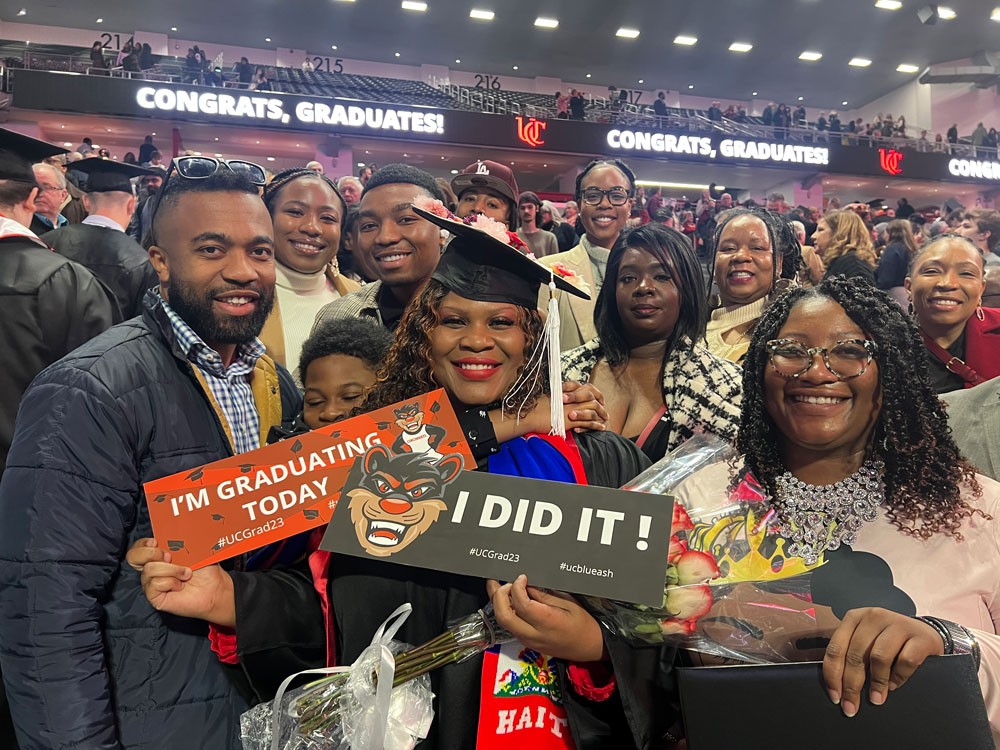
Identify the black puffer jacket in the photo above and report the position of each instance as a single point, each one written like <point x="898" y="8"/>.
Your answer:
<point x="88" y="662"/>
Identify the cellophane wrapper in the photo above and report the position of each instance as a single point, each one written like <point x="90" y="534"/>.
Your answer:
<point x="345" y="701"/>
<point x="730" y="591"/>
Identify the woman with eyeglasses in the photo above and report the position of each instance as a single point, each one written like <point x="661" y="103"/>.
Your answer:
<point x="660" y="384"/>
<point x="604" y="191"/>
<point x="755" y="257"/>
<point x="836" y="404"/>
<point x="308" y="214"/>
<point x="945" y="286"/>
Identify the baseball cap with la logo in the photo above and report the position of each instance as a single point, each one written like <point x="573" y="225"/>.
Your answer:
<point x="489" y="174"/>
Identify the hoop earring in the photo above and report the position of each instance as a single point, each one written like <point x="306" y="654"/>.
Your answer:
<point x="909" y="308"/>
<point x="979" y="313"/>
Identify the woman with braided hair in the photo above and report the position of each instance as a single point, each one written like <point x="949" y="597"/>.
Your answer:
<point x="755" y="256"/>
<point x="836" y="403"/>
<point x="308" y="214"/>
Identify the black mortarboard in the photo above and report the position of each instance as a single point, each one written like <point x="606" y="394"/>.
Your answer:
<point x="108" y="176"/>
<point x="18" y="152"/>
<point x="478" y="266"/>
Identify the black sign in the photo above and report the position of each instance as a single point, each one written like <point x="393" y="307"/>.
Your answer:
<point x="71" y="92"/>
<point x="585" y="540"/>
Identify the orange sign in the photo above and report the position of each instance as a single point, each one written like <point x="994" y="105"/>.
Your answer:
<point x="229" y="507"/>
<point x="530" y="132"/>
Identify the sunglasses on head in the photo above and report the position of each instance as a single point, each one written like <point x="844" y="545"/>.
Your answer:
<point x="203" y="167"/>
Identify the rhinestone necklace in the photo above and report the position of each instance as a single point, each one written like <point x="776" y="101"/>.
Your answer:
<point x="815" y="519"/>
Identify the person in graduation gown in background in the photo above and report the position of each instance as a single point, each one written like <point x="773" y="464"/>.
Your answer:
<point x="48" y="305"/>
<point x="100" y="243"/>
<point x="470" y="330"/>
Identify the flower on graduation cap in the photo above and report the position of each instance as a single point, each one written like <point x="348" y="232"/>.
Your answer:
<point x="485" y="224"/>
<point x="433" y="206"/>
<point x="570" y="275"/>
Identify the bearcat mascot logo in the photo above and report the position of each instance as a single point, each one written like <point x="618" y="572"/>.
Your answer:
<point x="396" y="498"/>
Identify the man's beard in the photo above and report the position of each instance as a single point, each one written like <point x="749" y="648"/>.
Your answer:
<point x="196" y="311"/>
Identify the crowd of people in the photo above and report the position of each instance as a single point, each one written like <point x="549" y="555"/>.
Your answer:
<point x="178" y="324"/>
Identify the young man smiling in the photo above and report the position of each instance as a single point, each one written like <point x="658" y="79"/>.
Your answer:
<point x="185" y="384"/>
<point x="402" y="248"/>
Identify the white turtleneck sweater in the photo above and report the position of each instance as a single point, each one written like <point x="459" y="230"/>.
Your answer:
<point x="300" y="296"/>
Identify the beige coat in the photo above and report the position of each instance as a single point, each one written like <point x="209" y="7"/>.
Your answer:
<point x="575" y="313"/>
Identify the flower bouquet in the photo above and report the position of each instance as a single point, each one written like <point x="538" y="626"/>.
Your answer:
<point x="383" y="700"/>
<point x="731" y="590"/>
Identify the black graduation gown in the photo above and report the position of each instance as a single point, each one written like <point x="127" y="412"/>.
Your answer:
<point x="112" y="256"/>
<point x="48" y="307"/>
<point x="280" y="631"/>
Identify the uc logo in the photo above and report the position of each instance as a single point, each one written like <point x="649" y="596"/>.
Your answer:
<point x="530" y="132"/>
<point x="890" y="160"/>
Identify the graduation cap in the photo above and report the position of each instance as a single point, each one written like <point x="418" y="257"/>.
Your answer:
<point x="108" y="176"/>
<point x="478" y="265"/>
<point x="484" y="262"/>
<point x="18" y="152"/>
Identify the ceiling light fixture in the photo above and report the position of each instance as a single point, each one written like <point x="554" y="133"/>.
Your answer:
<point x="482" y="15"/>
<point x="173" y="28"/>
<point x="270" y="158"/>
<point x="413" y="5"/>
<point x="740" y="47"/>
<point x="945" y="13"/>
<point x="801" y="98"/>
<point x="888" y="4"/>
<point x="860" y="62"/>
<point x="627" y="33"/>
<point x="687" y="41"/>
<point x="810" y="56"/>
<point x="458" y="62"/>
<point x="641" y="81"/>
<point x="22" y="12"/>
<point x="515" y="67"/>
<point x="546" y="23"/>
<point x="454" y="171"/>
<point x="690" y="85"/>
<point x="267" y="39"/>
<point x="843" y="104"/>
<point x="396" y="54"/>
<point x="588" y="75"/>
<point x="333" y="46"/>
<point x="100" y="20"/>
<point x="753" y="93"/>
<point x="994" y="16"/>
<point x="907" y="68"/>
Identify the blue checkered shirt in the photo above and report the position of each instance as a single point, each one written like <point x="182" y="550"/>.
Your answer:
<point x="230" y="386"/>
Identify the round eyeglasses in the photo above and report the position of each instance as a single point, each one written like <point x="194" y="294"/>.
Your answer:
<point x="845" y="359"/>
<point x="616" y="196"/>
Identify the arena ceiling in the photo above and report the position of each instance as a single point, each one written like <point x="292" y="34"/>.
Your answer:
<point x="585" y="40"/>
